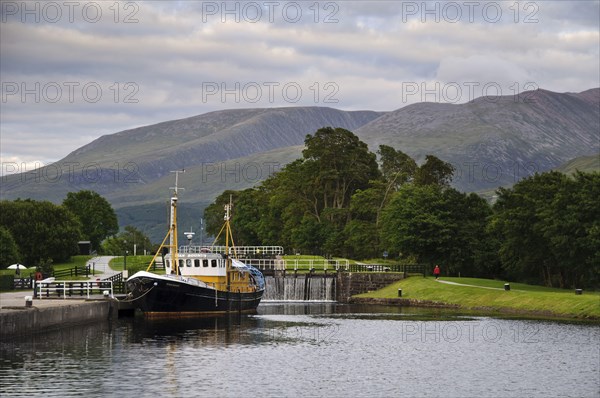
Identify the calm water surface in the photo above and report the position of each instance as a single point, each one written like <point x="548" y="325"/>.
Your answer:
<point x="300" y="350"/>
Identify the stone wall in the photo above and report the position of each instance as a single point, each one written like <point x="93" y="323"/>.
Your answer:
<point x="351" y="283"/>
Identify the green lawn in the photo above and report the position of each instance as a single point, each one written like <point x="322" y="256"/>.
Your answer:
<point x="531" y="299"/>
<point x="134" y="264"/>
<point x="500" y="284"/>
<point x="76" y="261"/>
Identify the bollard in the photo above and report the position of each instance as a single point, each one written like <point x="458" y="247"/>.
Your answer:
<point x="28" y="301"/>
<point x="507" y="286"/>
<point x="578" y="291"/>
<point x="399" y="292"/>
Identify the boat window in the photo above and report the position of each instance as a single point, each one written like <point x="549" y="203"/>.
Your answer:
<point x="205" y="263"/>
<point x="180" y="263"/>
<point x="188" y="262"/>
<point x="168" y="263"/>
<point x="197" y="262"/>
<point x="213" y="263"/>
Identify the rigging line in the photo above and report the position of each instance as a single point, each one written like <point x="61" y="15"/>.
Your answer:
<point x="218" y="235"/>
<point x="158" y="251"/>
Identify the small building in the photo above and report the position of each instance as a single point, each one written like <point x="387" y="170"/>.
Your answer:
<point x="85" y="247"/>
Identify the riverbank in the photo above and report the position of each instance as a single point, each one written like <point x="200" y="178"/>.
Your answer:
<point x="487" y="296"/>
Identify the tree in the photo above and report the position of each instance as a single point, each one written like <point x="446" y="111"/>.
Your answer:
<point x="340" y="163"/>
<point x="549" y="229"/>
<point x="411" y="224"/>
<point x="245" y="216"/>
<point x="397" y="167"/>
<point x="9" y="252"/>
<point x="126" y="241"/>
<point x="437" y="225"/>
<point x="42" y="230"/>
<point x="434" y="172"/>
<point x="360" y="233"/>
<point x="97" y="217"/>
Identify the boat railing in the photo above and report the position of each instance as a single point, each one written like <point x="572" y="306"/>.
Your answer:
<point x="50" y="287"/>
<point x="297" y="264"/>
<point x="239" y="250"/>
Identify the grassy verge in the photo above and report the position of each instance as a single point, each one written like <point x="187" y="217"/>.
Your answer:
<point x="522" y="298"/>
<point x="75" y="261"/>
<point x="134" y="264"/>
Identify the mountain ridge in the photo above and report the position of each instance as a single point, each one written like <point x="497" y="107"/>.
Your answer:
<point x="492" y="141"/>
<point x="509" y="137"/>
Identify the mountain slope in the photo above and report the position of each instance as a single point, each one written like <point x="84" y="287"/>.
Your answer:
<point x="586" y="164"/>
<point x="490" y="141"/>
<point x="118" y="164"/>
<point x="495" y="141"/>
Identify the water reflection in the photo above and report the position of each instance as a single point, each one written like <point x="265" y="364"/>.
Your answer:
<point x="319" y="349"/>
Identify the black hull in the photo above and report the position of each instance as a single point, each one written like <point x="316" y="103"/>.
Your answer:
<point x="158" y="297"/>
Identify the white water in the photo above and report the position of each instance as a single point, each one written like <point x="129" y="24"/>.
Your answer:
<point x="299" y="288"/>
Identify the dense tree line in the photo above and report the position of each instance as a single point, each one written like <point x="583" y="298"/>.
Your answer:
<point x="549" y="229"/>
<point x="41" y="230"/>
<point x="330" y="201"/>
<point x="37" y="233"/>
<point x="340" y="199"/>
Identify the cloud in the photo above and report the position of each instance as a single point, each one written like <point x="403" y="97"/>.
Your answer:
<point x="155" y="61"/>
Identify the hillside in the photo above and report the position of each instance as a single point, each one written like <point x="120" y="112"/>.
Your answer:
<point x="586" y="164"/>
<point x="127" y="167"/>
<point x="490" y="141"/>
<point x="495" y="141"/>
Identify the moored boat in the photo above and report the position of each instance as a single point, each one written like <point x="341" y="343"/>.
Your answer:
<point x="198" y="280"/>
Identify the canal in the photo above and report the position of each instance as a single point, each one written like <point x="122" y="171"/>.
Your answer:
<point x="317" y="349"/>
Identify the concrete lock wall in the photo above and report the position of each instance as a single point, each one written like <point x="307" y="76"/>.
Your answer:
<point x="351" y="283"/>
<point x="35" y="320"/>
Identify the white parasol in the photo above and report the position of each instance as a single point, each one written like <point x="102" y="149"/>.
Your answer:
<point x="17" y="266"/>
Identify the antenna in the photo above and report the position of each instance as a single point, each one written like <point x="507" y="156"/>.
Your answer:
<point x="189" y="235"/>
<point x="176" y="187"/>
<point x="201" y="231"/>
<point x="228" y="208"/>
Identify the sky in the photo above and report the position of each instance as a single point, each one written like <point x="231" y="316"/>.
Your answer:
<point x="72" y="71"/>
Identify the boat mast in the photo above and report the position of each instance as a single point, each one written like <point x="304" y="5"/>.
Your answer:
<point x="228" y="232"/>
<point x="173" y="221"/>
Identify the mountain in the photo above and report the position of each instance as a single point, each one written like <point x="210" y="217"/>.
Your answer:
<point x="586" y="164"/>
<point x="493" y="141"/>
<point x="126" y="167"/>
<point x="230" y="149"/>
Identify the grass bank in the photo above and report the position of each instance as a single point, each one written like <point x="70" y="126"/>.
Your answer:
<point x="75" y="261"/>
<point x="134" y="264"/>
<point x="521" y="299"/>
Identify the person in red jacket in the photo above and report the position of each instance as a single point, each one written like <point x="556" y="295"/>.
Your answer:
<point x="436" y="272"/>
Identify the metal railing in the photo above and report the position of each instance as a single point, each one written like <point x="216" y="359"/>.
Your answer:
<point x="239" y="250"/>
<point x="62" y="288"/>
<point x="296" y="264"/>
<point x="406" y="268"/>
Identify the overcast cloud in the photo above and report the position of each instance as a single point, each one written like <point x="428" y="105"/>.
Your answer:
<point x="73" y="71"/>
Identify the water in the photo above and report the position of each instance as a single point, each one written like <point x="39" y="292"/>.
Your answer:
<point x="300" y="287"/>
<point x="293" y="350"/>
